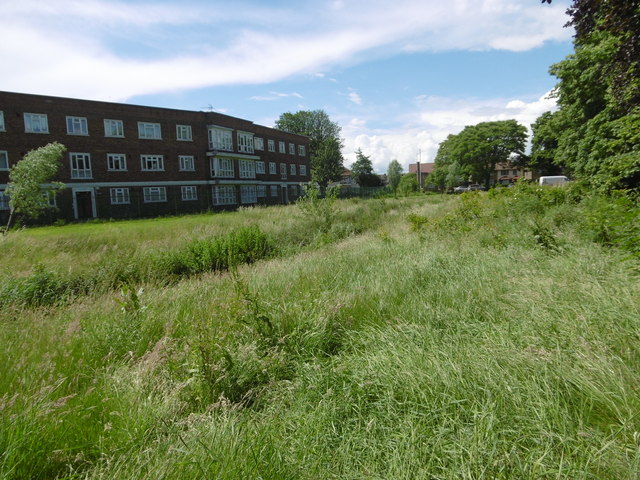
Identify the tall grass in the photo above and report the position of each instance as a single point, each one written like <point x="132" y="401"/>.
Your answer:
<point x="447" y="344"/>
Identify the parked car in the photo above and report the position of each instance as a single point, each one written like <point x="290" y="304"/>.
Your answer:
<point x="475" y="186"/>
<point x="460" y="189"/>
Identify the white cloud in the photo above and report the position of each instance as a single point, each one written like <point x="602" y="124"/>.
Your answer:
<point x="355" y="98"/>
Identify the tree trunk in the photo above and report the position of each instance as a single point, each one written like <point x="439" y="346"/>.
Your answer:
<point x="6" y="230"/>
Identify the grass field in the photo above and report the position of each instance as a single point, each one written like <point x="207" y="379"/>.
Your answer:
<point x="425" y="337"/>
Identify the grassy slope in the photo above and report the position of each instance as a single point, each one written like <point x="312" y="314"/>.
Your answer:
<point x="442" y="353"/>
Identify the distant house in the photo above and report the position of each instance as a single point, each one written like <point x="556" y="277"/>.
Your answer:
<point x="425" y="170"/>
<point x="506" y="173"/>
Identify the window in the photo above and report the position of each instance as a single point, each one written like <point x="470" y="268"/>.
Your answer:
<point x="187" y="163"/>
<point x="113" y="128"/>
<point x="248" y="194"/>
<point x="4" y="160"/>
<point x="247" y="169"/>
<point x="262" y="191"/>
<point x="189" y="193"/>
<point x="302" y="151"/>
<point x="258" y="143"/>
<point x="259" y="167"/>
<point x="116" y="162"/>
<point x="283" y="171"/>
<point x="222" y="167"/>
<point x="77" y="126"/>
<point x="281" y="147"/>
<point x="183" y="133"/>
<point x="303" y="170"/>
<point x="245" y="142"/>
<point x="50" y="199"/>
<point x="36" y="123"/>
<point x="292" y="169"/>
<point x="152" y="163"/>
<point x="149" y="131"/>
<point x="292" y="149"/>
<point x="271" y="145"/>
<point x="220" y="139"/>
<point x="4" y="201"/>
<point x="224" y="195"/>
<point x="119" y="196"/>
<point x="80" y="165"/>
<point x="1" y="121"/>
<point x="274" y="190"/>
<point x="272" y="168"/>
<point x="154" y="194"/>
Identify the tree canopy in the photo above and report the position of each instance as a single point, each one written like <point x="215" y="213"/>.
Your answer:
<point x="362" y="171"/>
<point x="394" y="174"/>
<point x="325" y="145"/>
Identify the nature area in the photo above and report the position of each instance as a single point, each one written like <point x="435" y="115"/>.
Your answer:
<point x="487" y="335"/>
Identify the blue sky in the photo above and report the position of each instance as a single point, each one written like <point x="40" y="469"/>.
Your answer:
<point x="397" y="76"/>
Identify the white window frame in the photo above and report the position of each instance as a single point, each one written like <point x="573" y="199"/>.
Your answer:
<point x="149" y="131"/>
<point x="283" y="171"/>
<point x="292" y="169"/>
<point x="78" y="172"/>
<point x="302" y="151"/>
<point x="187" y="163"/>
<point x="154" y="194"/>
<point x="2" y="127"/>
<point x="4" y="200"/>
<point x="116" y="162"/>
<point x="247" y="168"/>
<point x="303" y="170"/>
<point x="274" y="190"/>
<point x="152" y="163"/>
<point x="221" y="139"/>
<point x="261" y="191"/>
<point x="224" y="195"/>
<point x="260" y="167"/>
<point x="113" y="128"/>
<point x="119" y="196"/>
<point x="36" y="123"/>
<point x="184" y="133"/>
<point x="4" y="160"/>
<point x="292" y="149"/>
<point x="248" y="194"/>
<point x="245" y="142"/>
<point x="271" y="145"/>
<point x="282" y="147"/>
<point x="272" y="168"/>
<point x="77" y="126"/>
<point x="189" y="193"/>
<point x="258" y="143"/>
<point x="222" y="167"/>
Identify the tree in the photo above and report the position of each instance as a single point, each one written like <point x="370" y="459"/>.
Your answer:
<point x="362" y="171"/>
<point x="26" y="190"/>
<point x="325" y="145"/>
<point x="394" y="174"/>
<point x="408" y="184"/>
<point x="544" y="144"/>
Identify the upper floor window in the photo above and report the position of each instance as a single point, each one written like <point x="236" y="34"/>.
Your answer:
<point x="116" y="162"/>
<point x="149" y="130"/>
<point x="77" y="126"/>
<point x="152" y="163"/>
<point x="258" y="143"/>
<point x="220" y="139"/>
<point x="183" y="133"/>
<point x="245" y="142"/>
<point x="247" y="169"/>
<point x="222" y="167"/>
<point x="80" y="165"/>
<point x="1" y="121"/>
<point x="302" y="150"/>
<point x="292" y="149"/>
<point x="283" y="171"/>
<point x="272" y="168"/>
<point x="113" y="128"/>
<point x="259" y="167"/>
<point x="292" y="168"/>
<point x="154" y="194"/>
<point x="281" y="147"/>
<point x="187" y="163"/>
<point x="303" y="170"/>
<point x="4" y="160"/>
<point x="271" y="144"/>
<point x="36" y="123"/>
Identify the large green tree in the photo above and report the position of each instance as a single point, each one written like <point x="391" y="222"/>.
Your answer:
<point x="394" y="174"/>
<point x="327" y="162"/>
<point x="30" y="181"/>
<point x="544" y="144"/>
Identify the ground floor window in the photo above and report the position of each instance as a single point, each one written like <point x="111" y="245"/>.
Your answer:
<point x="119" y="196"/>
<point x="4" y="201"/>
<point x="262" y="190"/>
<point x="189" y="193"/>
<point x="155" y="194"/>
<point x="224" y="195"/>
<point x="274" y="190"/>
<point x="248" y="194"/>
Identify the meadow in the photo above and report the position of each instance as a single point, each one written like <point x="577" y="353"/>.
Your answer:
<point x="488" y="335"/>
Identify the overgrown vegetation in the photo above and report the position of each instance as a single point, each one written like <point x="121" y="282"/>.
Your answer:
<point x="487" y="335"/>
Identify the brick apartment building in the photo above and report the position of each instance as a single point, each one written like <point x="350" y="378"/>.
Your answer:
<point x="132" y="161"/>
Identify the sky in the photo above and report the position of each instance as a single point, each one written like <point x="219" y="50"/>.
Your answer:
<point x="397" y="76"/>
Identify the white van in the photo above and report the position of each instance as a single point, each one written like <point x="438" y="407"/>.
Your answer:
<point x="553" y="180"/>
